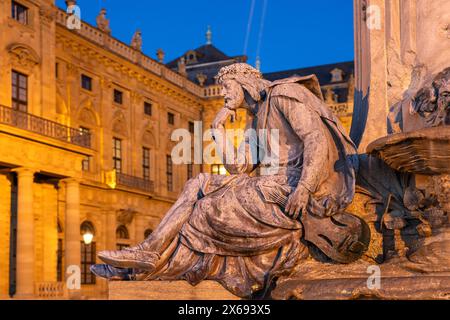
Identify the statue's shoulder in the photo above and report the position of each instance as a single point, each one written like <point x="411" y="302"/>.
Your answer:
<point x="297" y="87"/>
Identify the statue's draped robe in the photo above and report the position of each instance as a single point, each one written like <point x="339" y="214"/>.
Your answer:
<point x="238" y="233"/>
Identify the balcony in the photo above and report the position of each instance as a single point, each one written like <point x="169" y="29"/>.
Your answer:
<point x="51" y="290"/>
<point x="45" y="127"/>
<point x="135" y="183"/>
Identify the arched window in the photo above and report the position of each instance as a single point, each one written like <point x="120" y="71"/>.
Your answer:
<point x="123" y="237"/>
<point x="88" y="252"/>
<point x="147" y="233"/>
<point x="122" y="233"/>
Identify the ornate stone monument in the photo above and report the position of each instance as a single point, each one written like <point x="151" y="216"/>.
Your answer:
<point x="320" y="220"/>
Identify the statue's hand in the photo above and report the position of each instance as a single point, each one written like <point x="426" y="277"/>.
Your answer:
<point x="221" y="118"/>
<point x="297" y="202"/>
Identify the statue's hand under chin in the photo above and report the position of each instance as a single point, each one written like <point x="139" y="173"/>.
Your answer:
<point x="222" y="116"/>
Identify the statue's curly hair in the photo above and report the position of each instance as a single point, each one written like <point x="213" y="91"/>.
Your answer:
<point x="237" y="70"/>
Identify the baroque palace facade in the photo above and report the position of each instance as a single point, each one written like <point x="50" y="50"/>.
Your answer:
<point x="85" y="128"/>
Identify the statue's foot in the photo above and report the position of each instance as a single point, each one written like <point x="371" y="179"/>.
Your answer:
<point x="130" y="258"/>
<point x="110" y="273"/>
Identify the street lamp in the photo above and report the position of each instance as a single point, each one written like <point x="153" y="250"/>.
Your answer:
<point x="88" y="237"/>
<point x="87" y="232"/>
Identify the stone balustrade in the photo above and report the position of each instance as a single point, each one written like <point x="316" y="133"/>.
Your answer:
<point x="212" y="91"/>
<point x="125" y="51"/>
<point x="50" y="290"/>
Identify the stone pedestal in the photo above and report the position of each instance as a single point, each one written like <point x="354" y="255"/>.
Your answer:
<point x="399" y="279"/>
<point x="168" y="290"/>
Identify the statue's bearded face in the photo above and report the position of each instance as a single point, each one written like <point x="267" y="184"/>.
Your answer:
<point x="233" y="94"/>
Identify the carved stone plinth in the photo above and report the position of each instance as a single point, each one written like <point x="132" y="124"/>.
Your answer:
<point x="168" y="290"/>
<point x="399" y="279"/>
<point x="392" y="288"/>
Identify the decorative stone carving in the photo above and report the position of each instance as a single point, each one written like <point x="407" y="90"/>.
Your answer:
<point x="160" y="55"/>
<point x="125" y="216"/>
<point x="136" y="98"/>
<point x="428" y="107"/>
<point x="47" y="13"/>
<point x="119" y="124"/>
<point x="72" y="71"/>
<point x="136" y="41"/>
<point x="148" y="139"/>
<point x="433" y="101"/>
<point x="103" y="22"/>
<point x="23" y="56"/>
<point x="113" y="67"/>
<point x="425" y="151"/>
<point x="201" y="78"/>
<point x="87" y="116"/>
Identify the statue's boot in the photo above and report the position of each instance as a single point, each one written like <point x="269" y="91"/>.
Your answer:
<point x="110" y="273"/>
<point x="135" y="257"/>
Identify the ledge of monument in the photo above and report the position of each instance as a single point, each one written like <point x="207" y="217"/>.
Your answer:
<point x="167" y="290"/>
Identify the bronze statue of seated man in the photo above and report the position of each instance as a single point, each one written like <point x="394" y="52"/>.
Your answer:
<point x="246" y="229"/>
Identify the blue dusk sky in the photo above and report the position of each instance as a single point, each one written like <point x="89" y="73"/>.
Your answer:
<point x="295" y="33"/>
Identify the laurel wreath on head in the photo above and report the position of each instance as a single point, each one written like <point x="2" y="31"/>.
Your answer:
<point x="237" y="70"/>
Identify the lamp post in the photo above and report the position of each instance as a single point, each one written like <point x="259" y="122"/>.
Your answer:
<point x="88" y="237"/>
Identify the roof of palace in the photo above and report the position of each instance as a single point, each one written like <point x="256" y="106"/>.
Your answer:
<point x="208" y="61"/>
<point x="323" y="73"/>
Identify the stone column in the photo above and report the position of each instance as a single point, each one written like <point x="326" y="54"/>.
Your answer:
<point x="25" y="234"/>
<point x="370" y="106"/>
<point x="72" y="227"/>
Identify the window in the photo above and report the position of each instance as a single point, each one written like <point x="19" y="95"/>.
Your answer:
<point x="88" y="254"/>
<point x="19" y="12"/>
<point x="117" y="155"/>
<point x="218" y="169"/>
<point x="191" y="127"/>
<point x="19" y="91"/>
<point x="146" y="163"/>
<point x="190" y="171"/>
<point x="169" y="172"/>
<point x="148" y="108"/>
<point x="122" y="234"/>
<point x="57" y="70"/>
<point x="118" y="96"/>
<point x="86" y="82"/>
<point x="171" y="118"/>
<point x="337" y="75"/>
<point x="87" y="260"/>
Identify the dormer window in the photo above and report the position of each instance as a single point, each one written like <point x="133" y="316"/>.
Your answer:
<point x="191" y="57"/>
<point x="337" y="75"/>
